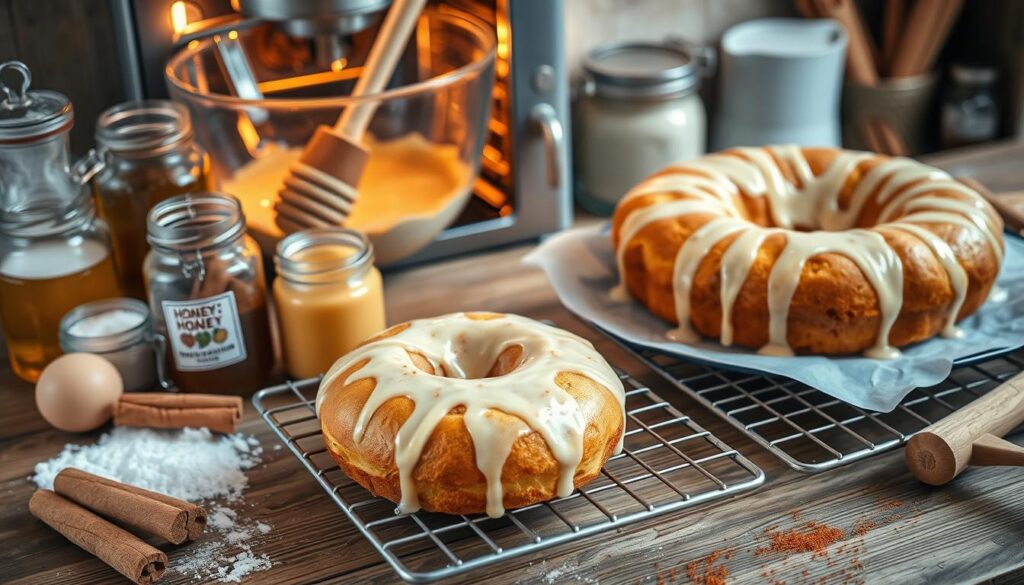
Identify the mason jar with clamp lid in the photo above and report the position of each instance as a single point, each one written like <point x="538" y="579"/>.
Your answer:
<point x="639" y="113"/>
<point x="145" y="153"/>
<point x="35" y="170"/>
<point x="208" y="295"/>
<point x="54" y="252"/>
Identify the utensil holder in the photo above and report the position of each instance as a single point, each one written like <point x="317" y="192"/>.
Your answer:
<point x="906" y="104"/>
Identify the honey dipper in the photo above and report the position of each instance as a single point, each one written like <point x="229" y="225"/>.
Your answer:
<point x="320" y="188"/>
<point x="971" y="435"/>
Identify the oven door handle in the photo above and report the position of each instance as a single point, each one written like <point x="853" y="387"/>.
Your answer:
<point x="544" y="120"/>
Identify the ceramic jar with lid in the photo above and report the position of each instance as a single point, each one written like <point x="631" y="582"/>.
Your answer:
<point x="639" y="113"/>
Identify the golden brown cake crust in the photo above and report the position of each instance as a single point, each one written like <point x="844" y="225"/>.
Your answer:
<point x="447" y="478"/>
<point x="835" y="310"/>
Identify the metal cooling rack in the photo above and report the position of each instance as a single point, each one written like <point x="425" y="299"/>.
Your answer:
<point x="812" y="431"/>
<point x="669" y="463"/>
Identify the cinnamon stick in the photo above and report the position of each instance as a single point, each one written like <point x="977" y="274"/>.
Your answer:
<point x="928" y="25"/>
<point x="860" y="54"/>
<point x="892" y="27"/>
<point x="166" y="410"/>
<point x="154" y="513"/>
<point x="892" y="142"/>
<point x="120" y="549"/>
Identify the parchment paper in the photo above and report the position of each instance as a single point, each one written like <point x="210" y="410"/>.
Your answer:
<point x="580" y="264"/>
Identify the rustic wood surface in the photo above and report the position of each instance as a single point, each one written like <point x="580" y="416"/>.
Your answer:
<point x="896" y="529"/>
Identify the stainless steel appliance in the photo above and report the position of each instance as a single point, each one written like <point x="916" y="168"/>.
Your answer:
<point x="524" y="186"/>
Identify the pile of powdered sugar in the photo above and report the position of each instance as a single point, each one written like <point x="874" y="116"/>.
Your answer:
<point x="191" y="464"/>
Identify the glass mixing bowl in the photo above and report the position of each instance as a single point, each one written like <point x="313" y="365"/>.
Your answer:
<point x="425" y="138"/>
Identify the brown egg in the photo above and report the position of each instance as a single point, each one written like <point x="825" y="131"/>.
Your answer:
<point x="77" y="392"/>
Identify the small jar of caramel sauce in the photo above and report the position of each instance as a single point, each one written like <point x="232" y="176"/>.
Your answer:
<point x="328" y="297"/>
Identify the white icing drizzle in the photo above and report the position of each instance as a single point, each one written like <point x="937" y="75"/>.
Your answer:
<point x="688" y="259"/>
<point x="909" y="193"/>
<point x="956" y="272"/>
<point x="466" y="349"/>
<point x="867" y="249"/>
<point x="642" y="217"/>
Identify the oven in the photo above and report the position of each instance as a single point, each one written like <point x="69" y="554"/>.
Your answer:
<point x="524" y="187"/>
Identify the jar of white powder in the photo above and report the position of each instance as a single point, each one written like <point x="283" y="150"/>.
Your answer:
<point x="119" y="330"/>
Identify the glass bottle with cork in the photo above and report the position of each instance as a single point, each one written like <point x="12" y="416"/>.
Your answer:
<point x="145" y="154"/>
<point x="328" y="297"/>
<point x="206" y="288"/>
<point x="54" y="253"/>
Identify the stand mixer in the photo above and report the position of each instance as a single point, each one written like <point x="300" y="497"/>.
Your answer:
<point x="249" y="58"/>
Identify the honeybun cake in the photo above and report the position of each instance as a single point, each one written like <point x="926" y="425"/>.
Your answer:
<point x="807" y="250"/>
<point x="472" y="412"/>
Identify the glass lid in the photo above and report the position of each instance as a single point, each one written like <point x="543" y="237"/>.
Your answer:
<point x="27" y="115"/>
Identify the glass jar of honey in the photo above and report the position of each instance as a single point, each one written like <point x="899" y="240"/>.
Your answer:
<point x="328" y="297"/>
<point x="145" y="154"/>
<point x="51" y="261"/>
<point x="208" y="296"/>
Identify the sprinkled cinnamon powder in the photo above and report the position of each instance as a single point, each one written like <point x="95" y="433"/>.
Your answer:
<point x="890" y="504"/>
<point x="863" y="527"/>
<point x="706" y="572"/>
<point x="814" y="538"/>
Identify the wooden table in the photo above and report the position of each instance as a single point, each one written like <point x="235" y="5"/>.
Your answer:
<point x="972" y="530"/>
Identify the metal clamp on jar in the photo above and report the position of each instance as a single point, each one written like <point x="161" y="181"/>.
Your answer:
<point x="639" y="113"/>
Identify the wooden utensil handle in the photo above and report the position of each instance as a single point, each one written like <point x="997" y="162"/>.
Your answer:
<point x="941" y="451"/>
<point x="380" y="64"/>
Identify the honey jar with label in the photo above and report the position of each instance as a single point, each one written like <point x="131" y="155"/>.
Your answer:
<point x="206" y="289"/>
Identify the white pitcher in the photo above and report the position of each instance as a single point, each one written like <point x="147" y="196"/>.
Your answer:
<point x="781" y="82"/>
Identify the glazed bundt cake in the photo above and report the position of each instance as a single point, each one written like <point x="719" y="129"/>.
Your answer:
<point x="472" y="412"/>
<point x="807" y="250"/>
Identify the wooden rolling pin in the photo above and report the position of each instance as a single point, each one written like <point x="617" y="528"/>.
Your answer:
<point x="971" y="435"/>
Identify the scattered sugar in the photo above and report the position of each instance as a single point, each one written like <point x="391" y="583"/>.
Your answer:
<point x="191" y="464"/>
<point x="106" y="323"/>
<point x="227" y="557"/>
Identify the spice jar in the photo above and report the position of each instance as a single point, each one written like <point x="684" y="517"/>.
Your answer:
<point x="640" y="113"/>
<point x="145" y="154"/>
<point x="54" y="252"/>
<point x="328" y="297"/>
<point x="206" y="289"/>
<point x="970" y="112"/>
<point x="119" y="330"/>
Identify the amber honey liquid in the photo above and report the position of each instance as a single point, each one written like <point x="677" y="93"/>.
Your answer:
<point x="38" y="285"/>
<point x="125" y="201"/>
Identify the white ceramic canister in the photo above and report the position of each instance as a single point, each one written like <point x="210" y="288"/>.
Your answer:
<point x="781" y="82"/>
<point x="640" y="113"/>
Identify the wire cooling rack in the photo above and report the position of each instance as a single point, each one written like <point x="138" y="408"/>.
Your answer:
<point x="812" y="431"/>
<point x="669" y="463"/>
